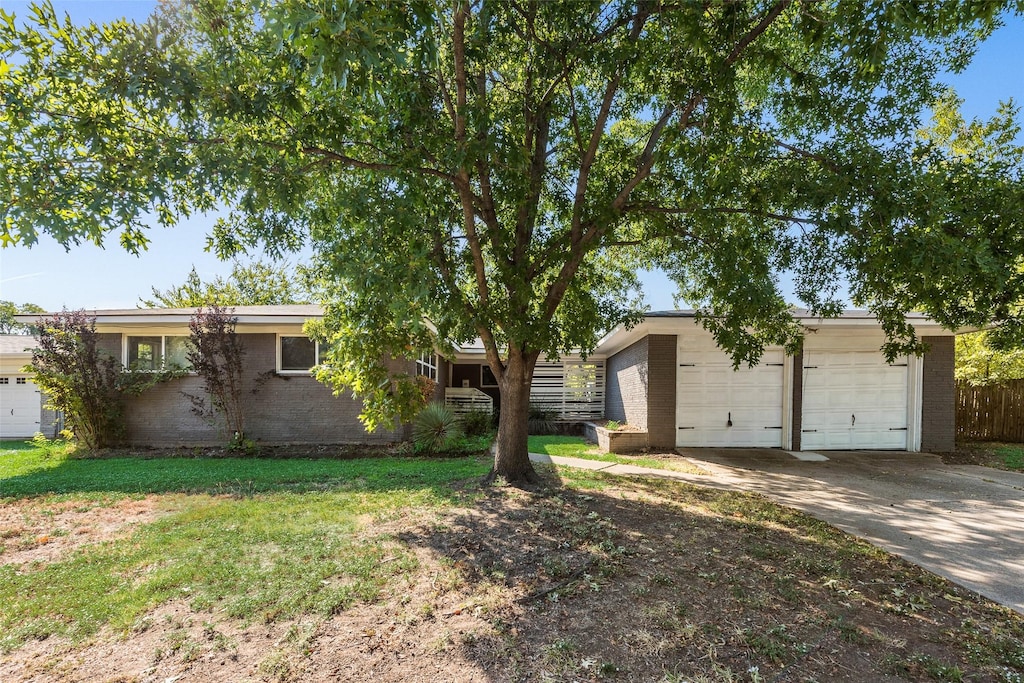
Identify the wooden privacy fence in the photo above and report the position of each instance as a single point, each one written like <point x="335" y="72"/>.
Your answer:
<point x="992" y="413"/>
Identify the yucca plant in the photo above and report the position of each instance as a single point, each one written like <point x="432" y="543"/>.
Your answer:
<point x="436" y="429"/>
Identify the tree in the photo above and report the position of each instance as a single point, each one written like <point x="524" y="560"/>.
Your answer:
<point x="216" y="354"/>
<point x="500" y="170"/>
<point x="9" y="309"/>
<point x="255" y="284"/>
<point x="978" y="362"/>
<point x="83" y="381"/>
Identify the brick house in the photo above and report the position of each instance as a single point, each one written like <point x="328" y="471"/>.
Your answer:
<point x="665" y="377"/>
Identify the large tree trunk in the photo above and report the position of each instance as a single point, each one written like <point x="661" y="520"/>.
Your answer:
<point x="511" y="457"/>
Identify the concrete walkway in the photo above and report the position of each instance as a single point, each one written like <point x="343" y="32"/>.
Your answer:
<point x="961" y="522"/>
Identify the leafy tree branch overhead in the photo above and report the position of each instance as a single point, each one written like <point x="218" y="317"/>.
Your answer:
<point x="502" y="169"/>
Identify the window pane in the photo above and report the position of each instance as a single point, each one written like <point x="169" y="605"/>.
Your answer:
<point x="427" y="366"/>
<point x="176" y="351"/>
<point x="297" y="353"/>
<point x="144" y="353"/>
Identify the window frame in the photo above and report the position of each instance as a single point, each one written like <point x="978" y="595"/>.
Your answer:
<point x="279" y="353"/>
<point x="428" y="365"/>
<point x="484" y="367"/>
<point x="125" y="344"/>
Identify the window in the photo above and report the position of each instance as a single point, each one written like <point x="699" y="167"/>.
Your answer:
<point x="299" y="354"/>
<point x="21" y="380"/>
<point x="156" y="352"/>
<point x="5" y="380"/>
<point x="487" y="378"/>
<point x="427" y="366"/>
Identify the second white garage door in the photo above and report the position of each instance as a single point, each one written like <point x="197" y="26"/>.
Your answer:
<point x="853" y="400"/>
<point x="720" y="407"/>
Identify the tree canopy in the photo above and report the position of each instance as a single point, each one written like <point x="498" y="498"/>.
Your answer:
<point x="502" y="169"/>
<point x="978" y="362"/>
<point x="9" y="309"/>
<point x="253" y="284"/>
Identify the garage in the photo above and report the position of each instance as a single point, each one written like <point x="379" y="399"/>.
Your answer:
<point x="721" y="407"/>
<point x="19" y="407"/>
<point x="853" y="399"/>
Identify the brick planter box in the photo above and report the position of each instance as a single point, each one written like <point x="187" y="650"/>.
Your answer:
<point x="608" y="441"/>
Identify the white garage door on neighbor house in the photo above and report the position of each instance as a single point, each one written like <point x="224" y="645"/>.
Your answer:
<point x="19" y="407"/>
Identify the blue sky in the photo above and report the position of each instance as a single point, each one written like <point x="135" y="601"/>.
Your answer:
<point x="93" y="277"/>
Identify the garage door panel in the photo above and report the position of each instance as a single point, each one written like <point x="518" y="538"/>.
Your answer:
<point x="710" y="393"/>
<point x="854" y="400"/>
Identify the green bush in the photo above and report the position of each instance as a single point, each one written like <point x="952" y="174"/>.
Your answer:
<point x="541" y="421"/>
<point x="476" y="423"/>
<point x="436" y="429"/>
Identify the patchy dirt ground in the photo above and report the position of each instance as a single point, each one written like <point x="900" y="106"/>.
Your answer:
<point x="1002" y="456"/>
<point x="601" y="579"/>
<point x="44" y="530"/>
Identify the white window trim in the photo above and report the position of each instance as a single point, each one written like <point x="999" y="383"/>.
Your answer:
<point x="163" y="349"/>
<point x="277" y="351"/>
<point x="427" y="365"/>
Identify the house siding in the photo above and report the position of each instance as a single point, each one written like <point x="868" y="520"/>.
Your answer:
<point x="280" y="409"/>
<point x="938" y="396"/>
<point x="626" y="385"/>
<point x="661" y="390"/>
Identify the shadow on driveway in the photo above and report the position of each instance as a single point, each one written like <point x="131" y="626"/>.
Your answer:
<point x="963" y="522"/>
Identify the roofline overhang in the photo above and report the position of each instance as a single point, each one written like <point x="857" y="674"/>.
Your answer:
<point x="621" y="337"/>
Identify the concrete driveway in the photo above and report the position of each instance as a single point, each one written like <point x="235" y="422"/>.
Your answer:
<point x="962" y="522"/>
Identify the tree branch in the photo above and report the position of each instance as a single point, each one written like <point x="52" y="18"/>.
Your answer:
<point x="462" y="181"/>
<point x="821" y="159"/>
<point x="587" y="161"/>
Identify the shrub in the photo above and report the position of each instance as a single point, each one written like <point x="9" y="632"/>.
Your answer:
<point x="436" y="429"/>
<point x="476" y="423"/>
<point x="84" y="382"/>
<point x="541" y="421"/>
<point x="216" y="355"/>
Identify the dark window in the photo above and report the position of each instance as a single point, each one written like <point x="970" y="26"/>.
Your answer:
<point x="297" y="353"/>
<point x="487" y="378"/>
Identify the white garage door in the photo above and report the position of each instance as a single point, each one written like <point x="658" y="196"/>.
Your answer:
<point x="19" y="407"/>
<point x="719" y="406"/>
<point x="853" y="400"/>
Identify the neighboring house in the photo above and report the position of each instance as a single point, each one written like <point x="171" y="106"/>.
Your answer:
<point x="664" y="376"/>
<point x="21" y="404"/>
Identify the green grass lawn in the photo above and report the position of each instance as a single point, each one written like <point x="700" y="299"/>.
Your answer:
<point x="284" y="537"/>
<point x="298" y="569"/>
<point x="1004" y="456"/>
<point x="576" y="447"/>
<point x="1012" y="456"/>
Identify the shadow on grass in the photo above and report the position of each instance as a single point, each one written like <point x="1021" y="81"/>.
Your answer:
<point x="627" y="579"/>
<point x="57" y="475"/>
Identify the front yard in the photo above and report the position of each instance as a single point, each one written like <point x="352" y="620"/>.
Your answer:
<point x="401" y="569"/>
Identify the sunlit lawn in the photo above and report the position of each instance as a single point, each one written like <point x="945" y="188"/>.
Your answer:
<point x="576" y="447"/>
<point x="258" y="539"/>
